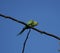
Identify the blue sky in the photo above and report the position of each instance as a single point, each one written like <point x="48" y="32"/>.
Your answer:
<point x="45" y="12"/>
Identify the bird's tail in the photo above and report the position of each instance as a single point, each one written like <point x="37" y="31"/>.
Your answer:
<point x="21" y="31"/>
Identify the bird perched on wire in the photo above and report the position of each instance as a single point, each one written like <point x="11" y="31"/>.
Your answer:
<point x="30" y="23"/>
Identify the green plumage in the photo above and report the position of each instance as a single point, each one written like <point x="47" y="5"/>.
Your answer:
<point x="31" y="23"/>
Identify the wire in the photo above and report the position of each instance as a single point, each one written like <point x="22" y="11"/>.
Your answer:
<point x="24" y="44"/>
<point x="43" y="32"/>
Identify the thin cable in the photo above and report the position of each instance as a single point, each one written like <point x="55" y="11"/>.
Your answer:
<point x="43" y="32"/>
<point x="24" y="44"/>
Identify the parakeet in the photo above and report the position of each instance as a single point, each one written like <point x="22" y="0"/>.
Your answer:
<point x="31" y="23"/>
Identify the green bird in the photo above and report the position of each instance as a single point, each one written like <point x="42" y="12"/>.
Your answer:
<point x="31" y="23"/>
